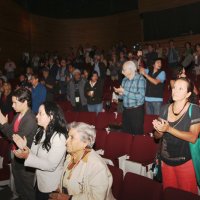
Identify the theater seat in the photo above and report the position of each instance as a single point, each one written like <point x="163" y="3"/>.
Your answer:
<point x="87" y="117"/>
<point x="104" y="119"/>
<point x="172" y="193"/>
<point x="4" y="162"/>
<point x="117" y="180"/>
<point x="117" y="144"/>
<point x="140" y="188"/>
<point x="148" y="126"/>
<point x="70" y="116"/>
<point x="141" y="156"/>
<point x="100" y="139"/>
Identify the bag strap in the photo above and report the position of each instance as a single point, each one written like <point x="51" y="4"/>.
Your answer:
<point x="190" y="110"/>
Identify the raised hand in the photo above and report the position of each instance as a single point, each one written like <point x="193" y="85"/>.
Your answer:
<point x="3" y="119"/>
<point x="19" y="141"/>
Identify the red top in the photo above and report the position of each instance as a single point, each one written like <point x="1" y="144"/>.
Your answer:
<point x="15" y="130"/>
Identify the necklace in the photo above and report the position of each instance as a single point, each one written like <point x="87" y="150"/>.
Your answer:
<point x="176" y="114"/>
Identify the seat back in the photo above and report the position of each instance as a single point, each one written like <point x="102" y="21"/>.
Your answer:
<point x="172" y="193"/>
<point x="143" y="149"/>
<point x="100" y="139"/>
<point x="148" y="126"/>
<point x="71" y="116"/>
<point x="117" y="180"/>
<point x="104" y="119"/>
<point x="87" y="117"/>
<point x="4" y="153"/>
<point x="140" y="187"/>
<point x="117" y="144"/>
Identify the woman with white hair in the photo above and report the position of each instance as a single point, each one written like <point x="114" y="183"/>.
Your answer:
<point x="85" y="175"/>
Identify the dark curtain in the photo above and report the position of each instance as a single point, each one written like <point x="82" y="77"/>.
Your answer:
<point x="174" y="22"/>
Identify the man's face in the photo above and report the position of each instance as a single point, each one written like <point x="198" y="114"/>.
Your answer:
<point x="34" y="81"/>
<point x="17" y="105"/>
<point x="77" y="76"/>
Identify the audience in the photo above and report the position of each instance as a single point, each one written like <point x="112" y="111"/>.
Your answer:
<point x="91" y="92"/>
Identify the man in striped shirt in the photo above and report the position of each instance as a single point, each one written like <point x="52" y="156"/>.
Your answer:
<point x="132" y="91"/>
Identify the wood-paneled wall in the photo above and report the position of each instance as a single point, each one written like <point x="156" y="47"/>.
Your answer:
<point x="156" y="5"/>
<point x="54" y="34"/>
<point x="14" y="31"/>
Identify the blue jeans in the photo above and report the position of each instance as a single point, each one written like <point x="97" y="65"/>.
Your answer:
<point x="153" y="108"/>
<point x="95" y="107"/>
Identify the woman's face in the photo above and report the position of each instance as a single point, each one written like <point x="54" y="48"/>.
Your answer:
<point x="94" y="77"/>
<point x="6" y="88"/>
<point x="42" y="118"/>
<point x="180" y="90"/>
<point x="74" y="142"/>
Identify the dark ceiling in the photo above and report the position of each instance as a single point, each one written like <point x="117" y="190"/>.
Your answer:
<point x="77" y="8"/>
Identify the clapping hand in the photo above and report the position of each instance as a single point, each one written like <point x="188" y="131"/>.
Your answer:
<point x="19" y="141"/>
<point x="58" y="196"/>
<point x="3" y="119"/>
<point x="119" y="90"/>
<point x="161" y="125"/>
<point x="23" y="154"/>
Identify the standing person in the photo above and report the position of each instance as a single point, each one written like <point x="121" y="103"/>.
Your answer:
<point x="178" y="126"/>
<point x="48" y="150"/>
<point x="94" y="93"/>
<point x="10" y="69"/>
<point x="172" y="55"/>
<point x="61" y="78"/>
<point x="24" y="124"/>
<point x="48" y="82"/>
<point x="38" y="93"/>
<point x="76" y="92"/>
<point x="6" y="101"/>
<point x="132" y="91"/>
<point x="155" y="77"/>
<point x="99" y="67"/>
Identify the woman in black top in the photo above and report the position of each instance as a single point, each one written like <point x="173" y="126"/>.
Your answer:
<point x="93" y="93"/>
<point x="178" y="125"/>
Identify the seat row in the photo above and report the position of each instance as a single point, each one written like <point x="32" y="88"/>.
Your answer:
<point x="130" y="153"/>
<point x="136" y="187"/>
<point x="103" y="120"/>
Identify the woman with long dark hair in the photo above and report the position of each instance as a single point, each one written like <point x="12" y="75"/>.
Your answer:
<point x="47" y="152"/>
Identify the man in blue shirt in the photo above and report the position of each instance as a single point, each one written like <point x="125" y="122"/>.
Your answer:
<point x="155" y="77"/>
<point x="132" y="91"/>
<point x="38" y="93"/>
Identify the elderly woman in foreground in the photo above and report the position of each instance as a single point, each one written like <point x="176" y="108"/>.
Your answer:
<point x="85" y="175"/>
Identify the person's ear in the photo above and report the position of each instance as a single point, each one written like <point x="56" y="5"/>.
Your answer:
<point x="189" y="94"/>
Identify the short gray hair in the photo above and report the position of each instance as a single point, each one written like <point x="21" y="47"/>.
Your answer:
<point x="131" y="65"/>
<point x="76" y="71"/>
<point x="87" y="132"/>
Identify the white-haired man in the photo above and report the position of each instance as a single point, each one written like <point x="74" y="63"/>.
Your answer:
<point x="132" y="91"/>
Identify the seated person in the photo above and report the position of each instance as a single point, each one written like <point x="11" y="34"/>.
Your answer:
<point x="85" y="175"/>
